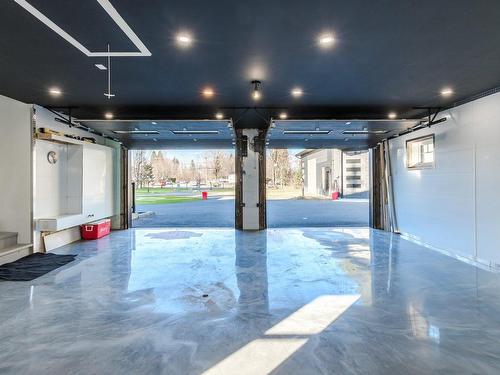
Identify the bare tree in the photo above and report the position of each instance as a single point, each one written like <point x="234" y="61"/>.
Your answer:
<point x="148" y="176"/>
<point x="139" y="160"/>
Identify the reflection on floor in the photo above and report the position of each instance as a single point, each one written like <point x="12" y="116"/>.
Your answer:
<point x="286" y="301"/>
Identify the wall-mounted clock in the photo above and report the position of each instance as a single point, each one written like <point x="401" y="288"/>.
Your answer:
<point x="52" y="157"/>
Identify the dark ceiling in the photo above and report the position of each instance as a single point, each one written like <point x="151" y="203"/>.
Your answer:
<point x="388" y="56"/>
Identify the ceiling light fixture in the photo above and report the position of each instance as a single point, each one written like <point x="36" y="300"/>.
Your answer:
<point x="354" y="132"/>
<point x="392" y="115"/>
<point x="256" y="95"/>
<point x="306" y="131"/>
<point x="326" y="40"/>
<point x="108" y="94"/>
<point x="447" y="91"/>
<point x="101" y="66"/>
<point x="283" y="115"/>
<point x="219" y="115"/>
<point x="297" y="92"/>
<point x="55" y="91"/>
<point x="348" y="123"/>
<point x="207" y="92"/>
<point x="184" y="40"/>
<point x="108" y="115"/>
<point x="145" y="132"/>
<point x="154" y="122"/>
<point x="189" y="132"/>
<point x="111" y="11"/>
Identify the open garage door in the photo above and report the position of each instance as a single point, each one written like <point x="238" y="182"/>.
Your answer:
<point x="317" y="187"/>
<point x="182" y="172"/>
<point x="183" y="188"/>
<point x="318" y="171"/>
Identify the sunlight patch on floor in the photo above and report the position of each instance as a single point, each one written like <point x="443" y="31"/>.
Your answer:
<point x="263" y="355"/>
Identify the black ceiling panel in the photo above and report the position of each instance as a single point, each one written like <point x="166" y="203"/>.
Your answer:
<point x="388" y="55"/>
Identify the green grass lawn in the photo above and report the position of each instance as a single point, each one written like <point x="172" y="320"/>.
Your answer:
<point x="164" y="199"/>
<point x="157" y="190"/>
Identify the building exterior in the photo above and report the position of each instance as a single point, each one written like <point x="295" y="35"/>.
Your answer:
<point x="332" y="170"/>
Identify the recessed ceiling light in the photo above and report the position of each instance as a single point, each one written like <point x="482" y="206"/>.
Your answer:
<point x="207" y="92"/>
<point x="108" y="115"/>
<point x="101" y="67"/>
<point x="154" y="122"/>
<point x="348" y="123"/>
<point x="392" y="115"/>
<point x="326" y="40"/>
<point x="184" y="40"/>
<point x="283" y="115"/>
<point x="219" y="116"/>
<point x="297" y="92"/>
<point x="447" y="91"/>
<point x="55" y="91"/>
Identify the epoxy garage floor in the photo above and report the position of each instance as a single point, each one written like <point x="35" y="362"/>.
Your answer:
<point x="281" y="301"/>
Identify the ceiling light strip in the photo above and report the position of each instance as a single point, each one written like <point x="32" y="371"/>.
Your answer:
<point x="181" y="132"/>
<point x="135" y="132"/>
<point x="306" y="131"/>
<point x="111" y="12"/>
<point x="365" y="132"/>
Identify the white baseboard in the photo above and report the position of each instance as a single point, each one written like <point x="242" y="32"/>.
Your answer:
<point x="476" y="262"/>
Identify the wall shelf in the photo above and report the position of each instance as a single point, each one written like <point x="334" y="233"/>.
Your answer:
<point x="59" y="139"/>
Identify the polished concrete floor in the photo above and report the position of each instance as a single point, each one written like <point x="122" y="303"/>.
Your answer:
<point x="282" y="301"/>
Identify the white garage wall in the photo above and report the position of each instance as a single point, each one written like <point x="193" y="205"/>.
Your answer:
<point x="455" y="207"/>
<point x="15" y="168"/>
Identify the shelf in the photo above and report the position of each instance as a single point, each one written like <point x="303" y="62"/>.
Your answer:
<point x="61" y="222"/>
<point x="59" y="139"/>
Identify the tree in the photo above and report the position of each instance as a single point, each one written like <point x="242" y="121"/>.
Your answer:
<point x="139" y="160"/>
<point x="148" y="176"/>
<point x="217" y="165"/>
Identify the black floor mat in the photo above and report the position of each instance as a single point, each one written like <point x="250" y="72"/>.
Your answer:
<point x="33" y="266"/>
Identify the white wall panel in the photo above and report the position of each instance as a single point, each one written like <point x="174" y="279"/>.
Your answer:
<point x="454" y="206"/>
<point x="15" y="168"/>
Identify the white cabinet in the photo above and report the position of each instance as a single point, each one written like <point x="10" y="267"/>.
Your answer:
<point x="97" y="182"/>
<point x="77" y="189"/>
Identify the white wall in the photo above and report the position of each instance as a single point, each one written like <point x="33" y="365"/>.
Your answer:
<point x="455" y="207"/>
<point x="15" y="168"/>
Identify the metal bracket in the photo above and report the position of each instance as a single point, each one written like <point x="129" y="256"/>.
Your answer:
<point x="430" y="117"/>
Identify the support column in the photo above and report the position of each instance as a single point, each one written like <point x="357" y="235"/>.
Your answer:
<point x="250" y="187"/>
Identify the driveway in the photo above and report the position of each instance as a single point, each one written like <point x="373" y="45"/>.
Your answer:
<point x="219" y="212"/>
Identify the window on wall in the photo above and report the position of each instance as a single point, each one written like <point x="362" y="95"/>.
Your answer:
<point x="420" y="152"/>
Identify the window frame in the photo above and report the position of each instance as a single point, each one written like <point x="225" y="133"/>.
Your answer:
<point x="408" y="151"/>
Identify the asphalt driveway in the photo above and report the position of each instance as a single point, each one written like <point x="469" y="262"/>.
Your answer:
<point x="219" y="212"/>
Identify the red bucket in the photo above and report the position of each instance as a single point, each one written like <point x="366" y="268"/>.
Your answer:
<point x="335" y="195"/>
<point x="204" y="195"/>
